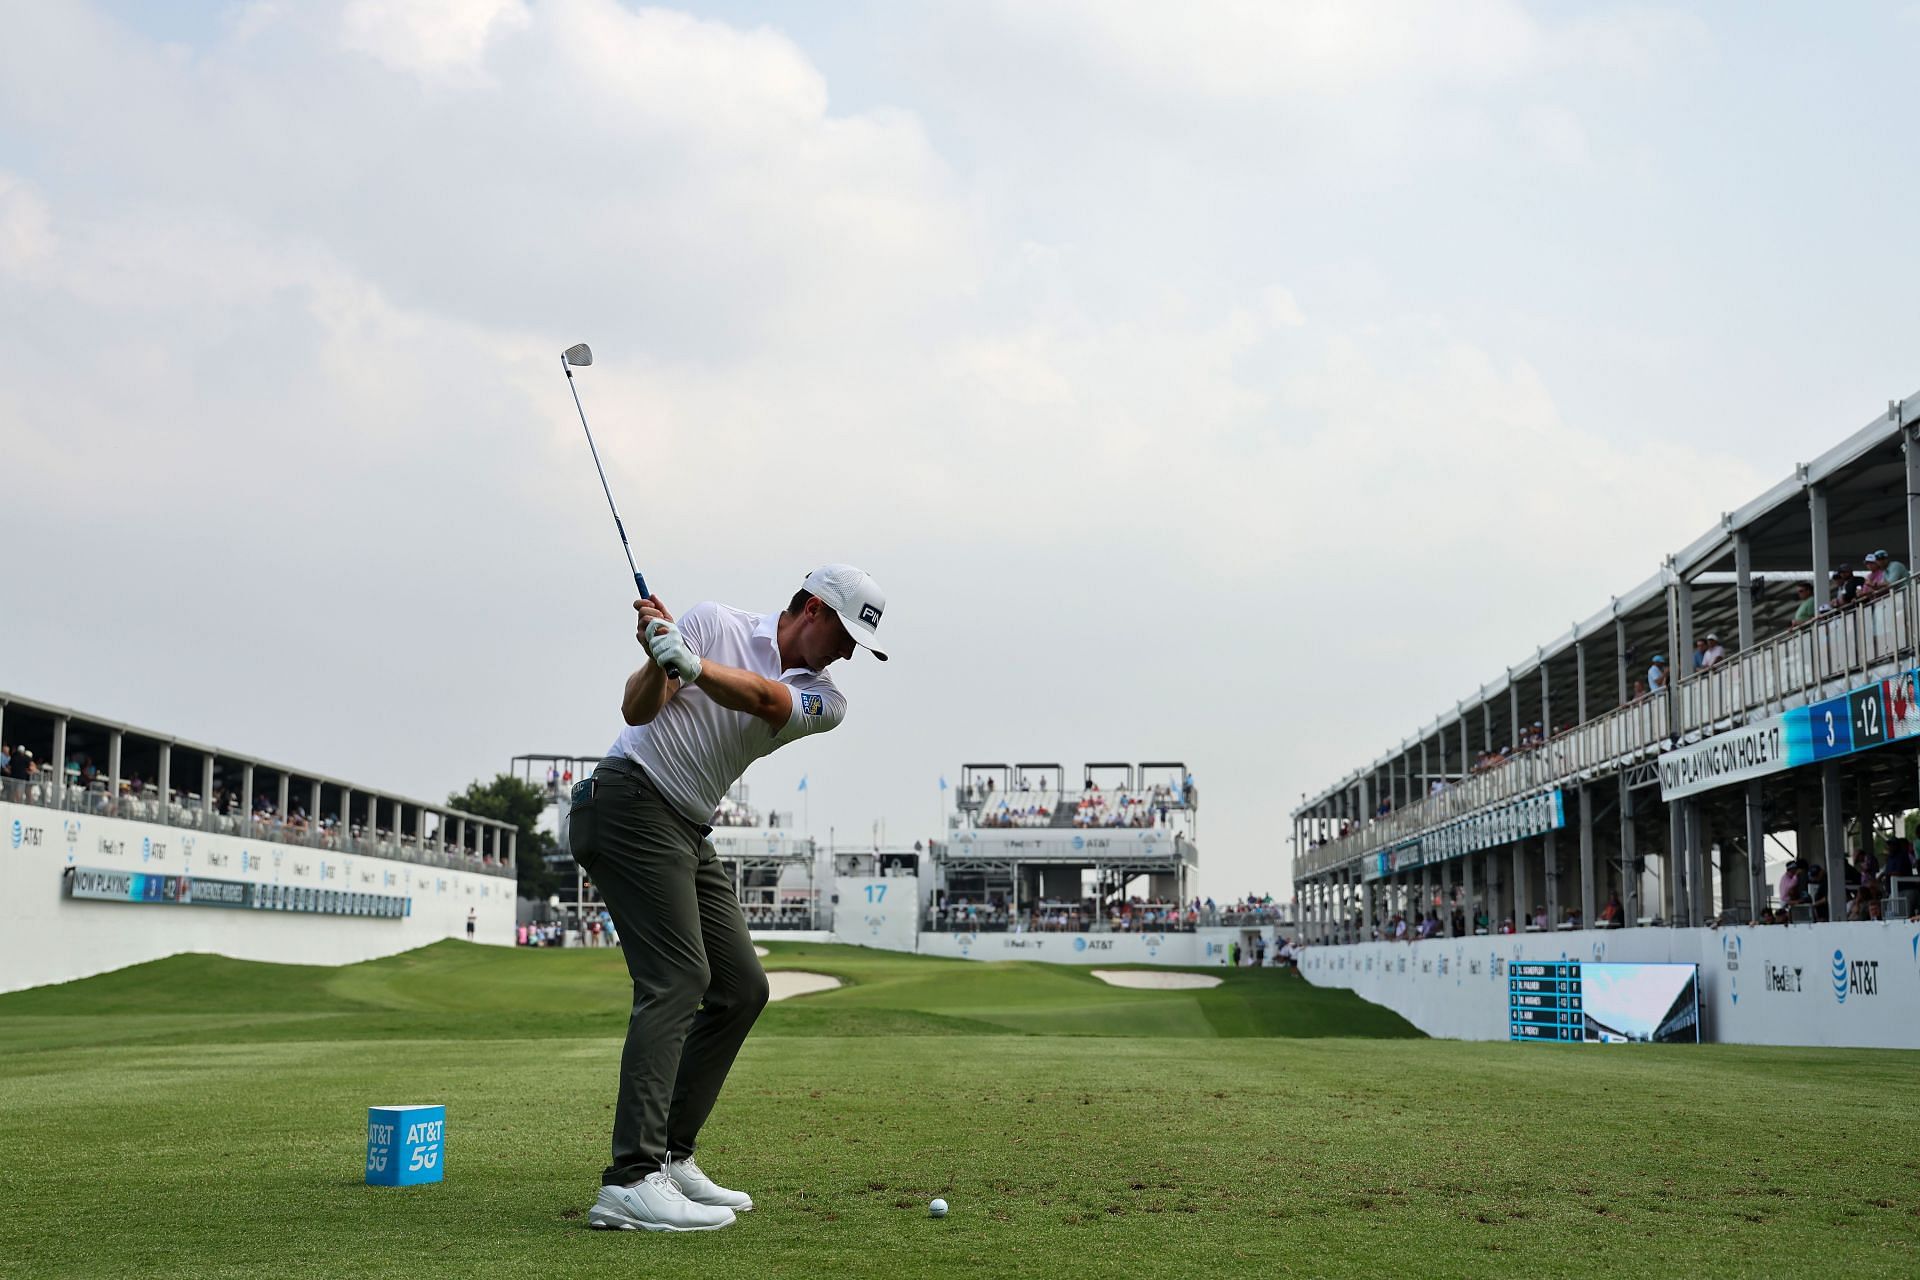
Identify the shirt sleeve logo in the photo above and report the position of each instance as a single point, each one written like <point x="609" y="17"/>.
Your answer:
<point x="812" y="704"/>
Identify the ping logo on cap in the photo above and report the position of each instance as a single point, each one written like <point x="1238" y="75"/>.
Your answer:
<point x="869" y="615"/>
<point x="811" y="704"/>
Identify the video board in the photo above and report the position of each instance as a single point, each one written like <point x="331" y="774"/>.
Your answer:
<point x="1581" y="1002"/>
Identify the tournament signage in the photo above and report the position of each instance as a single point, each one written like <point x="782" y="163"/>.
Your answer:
<point x="1543" y="1001"/>
<point x="99" y="885"/>
<point x="1868" y="716"/>
<point x="1754" y="750"/>
<point x="1489" y="828"/>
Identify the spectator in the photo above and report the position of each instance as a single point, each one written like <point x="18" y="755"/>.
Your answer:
<point x="1657" y="673"/>
<point x="1506" y="925"/>
<point x="1791" y="888"/>
<point x="1816" y="885"/>
<point x="1807" y="608"/>
<point x="1540" y="921"/>
<point x="1699" y="653"/>
<point x="1713" y="652"/>
<point x="1845" y="587"/>
<point x="1613" y="915"/>
<point x="1883" y="573"/>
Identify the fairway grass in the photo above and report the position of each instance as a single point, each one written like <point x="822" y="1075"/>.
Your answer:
<point x="201" y="1117"/>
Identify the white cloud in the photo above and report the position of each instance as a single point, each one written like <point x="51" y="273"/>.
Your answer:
<point x="435" y="39"/>
<point x="1091" y="395"/>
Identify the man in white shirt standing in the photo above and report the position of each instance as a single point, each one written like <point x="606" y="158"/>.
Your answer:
<point x="724" y="688"/>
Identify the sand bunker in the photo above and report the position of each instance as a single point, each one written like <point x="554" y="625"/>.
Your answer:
<point x="760" y="950"/>
<point x="1155" y="980"/>
<point x="787" y="983"/>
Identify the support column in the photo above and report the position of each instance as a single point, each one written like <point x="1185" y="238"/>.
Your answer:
<point x="166" y="782"/>
<point x="1366" y="909"/>
<point x="1513" y="711"/>
<point x="1466" y="751"/>
<point x="346" y="813"/>
<point x="1550" y="865"/>
<point x="1683" y="632"/>
<point x="1580" y="681"/>
<point x="1468" y="899"/>
<point x="513" y="845"/>
<point x="114" y="746"/>
<point x="1910" y="448"/>
<point x="1699" y="862"/>
<point x="1522" y="897"/>
<point x="206" y="791"/>
<point x="1743" y="587"/>
<point x="285" y="787"/>
<point x="1833" y="840"/>
<point x="1546" y="702"/>
<point x="246" y="797"/>
<point x="1623" y="679"/>
<point x="1756" y="850"/>
<point x="1673" y="881"/>
<point x="1822" y="558"/>
<point x="313" y="813"/>
<point x="1589" y="905"/>
<point x="60" y="761"/>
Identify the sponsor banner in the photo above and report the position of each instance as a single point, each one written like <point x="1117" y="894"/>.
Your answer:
<point x="1820" y="984"/>
<point x="1207" y="947"/>
<point x="1869" y="716"/>
<point x="1488" y="828"/>
<point x="98" y="884"/>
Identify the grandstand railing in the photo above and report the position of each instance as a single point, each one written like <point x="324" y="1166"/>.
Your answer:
<point x="1836" y="650"/>
<point x="1622" y="734"/>
<point x="1840" y="648"/>
<point x="46" y="793"/>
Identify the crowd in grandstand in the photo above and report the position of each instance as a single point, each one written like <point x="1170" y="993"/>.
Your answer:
<point x="1029" y="806"/>
<point x="1133" y="915"/>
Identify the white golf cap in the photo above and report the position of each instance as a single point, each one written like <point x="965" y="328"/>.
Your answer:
<point x="856" y="597"/>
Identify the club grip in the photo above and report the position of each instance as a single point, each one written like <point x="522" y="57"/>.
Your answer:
<point x="640" y="582"/>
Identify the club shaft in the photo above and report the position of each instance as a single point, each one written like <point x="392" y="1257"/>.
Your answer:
<point x="639" y="582"/>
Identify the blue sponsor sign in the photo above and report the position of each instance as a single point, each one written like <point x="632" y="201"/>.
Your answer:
<point x="406" y="1145"/>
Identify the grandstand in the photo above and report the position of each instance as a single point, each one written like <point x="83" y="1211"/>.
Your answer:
<point x="1025" y="852"/>
<point x="110" y="828"/>
<point x="776" y="870"/>
<point x="1611" y="778"/>
<point x="64" y="760"/>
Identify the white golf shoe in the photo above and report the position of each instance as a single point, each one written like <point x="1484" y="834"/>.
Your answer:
<point x="699" y="1188"/>
<point x="655" y="1204"/>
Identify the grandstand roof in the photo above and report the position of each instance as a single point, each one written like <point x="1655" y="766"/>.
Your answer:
<point x="238" y="757"/>
<point x="1864" y="480"/>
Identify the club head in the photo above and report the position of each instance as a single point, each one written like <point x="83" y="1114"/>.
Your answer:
<point x="579" y="356"/>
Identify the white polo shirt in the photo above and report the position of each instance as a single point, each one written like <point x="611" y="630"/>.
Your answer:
<point x="696" y="749"/>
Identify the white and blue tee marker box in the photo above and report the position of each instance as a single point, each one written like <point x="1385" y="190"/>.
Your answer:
<point x="405" y="1145"/>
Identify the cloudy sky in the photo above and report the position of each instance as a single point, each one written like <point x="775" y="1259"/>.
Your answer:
<point x="1239" y="383"/>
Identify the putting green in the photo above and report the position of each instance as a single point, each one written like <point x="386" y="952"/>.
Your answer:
<point x="203" y="1117"/>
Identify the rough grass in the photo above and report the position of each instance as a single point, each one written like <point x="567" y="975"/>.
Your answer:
<point x="202" y="1117"/>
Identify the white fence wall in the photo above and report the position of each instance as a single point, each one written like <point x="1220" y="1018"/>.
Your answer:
<point x="1207" y="947"/>
<point x="880" y="912"/>
<point x="46" y="936"/>
<point x="1818" y="984"/>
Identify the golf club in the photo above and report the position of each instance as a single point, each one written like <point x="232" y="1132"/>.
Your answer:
<point x="580" y="355"/>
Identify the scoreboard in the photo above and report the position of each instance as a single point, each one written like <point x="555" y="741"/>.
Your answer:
<point x="1544" y="1000"/>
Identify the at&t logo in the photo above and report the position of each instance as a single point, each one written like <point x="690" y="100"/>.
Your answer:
<point x="19" y="833"/>
<point x="1859" y="978"/>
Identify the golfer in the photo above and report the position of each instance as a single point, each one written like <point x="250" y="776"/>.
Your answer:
<point x="724" y="688"/>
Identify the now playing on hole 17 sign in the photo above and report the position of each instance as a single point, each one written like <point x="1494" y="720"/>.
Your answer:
<point x="405" y="1145"/>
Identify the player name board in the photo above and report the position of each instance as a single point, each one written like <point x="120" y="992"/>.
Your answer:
<point x="1543" y="1000"/>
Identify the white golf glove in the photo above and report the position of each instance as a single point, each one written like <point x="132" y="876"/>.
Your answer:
<point x="670" y="652"/>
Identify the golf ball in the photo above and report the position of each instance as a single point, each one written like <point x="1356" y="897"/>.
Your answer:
<point x="938" y="1209"/>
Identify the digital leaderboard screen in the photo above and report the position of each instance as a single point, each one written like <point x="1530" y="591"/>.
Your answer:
<point x="1543" y="1000"/>
<point x="1594" y="1002"/>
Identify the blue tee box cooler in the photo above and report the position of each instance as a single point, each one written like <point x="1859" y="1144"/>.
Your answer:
<point x="405" y="1145"/>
